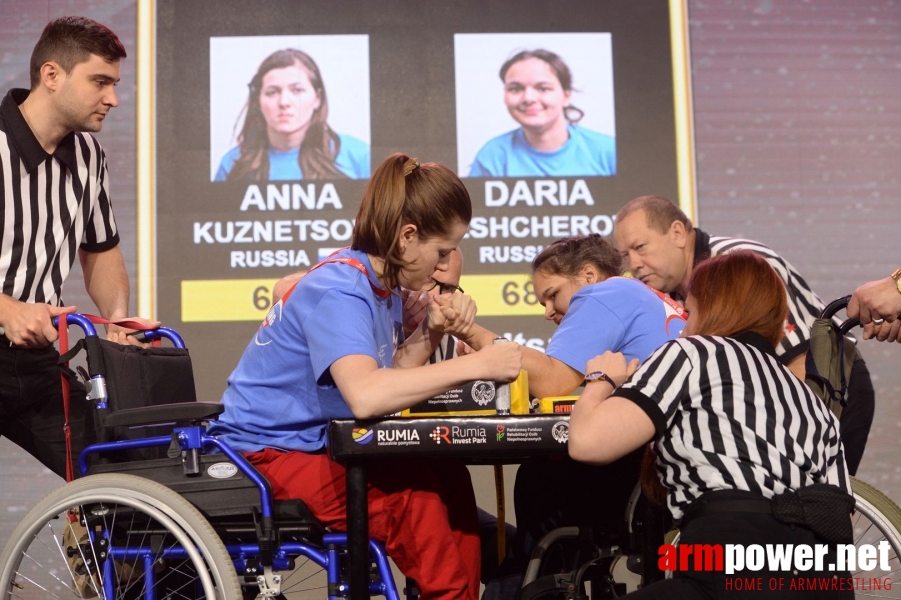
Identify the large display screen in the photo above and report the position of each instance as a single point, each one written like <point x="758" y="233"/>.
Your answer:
<point x="270" y="118"/>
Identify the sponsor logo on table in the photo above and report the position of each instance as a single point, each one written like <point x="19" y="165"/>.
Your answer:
<point x="560" y="431"/>
<point x="441" y="434"/>
<point x="459" y="435"/>
<point x="361" y="435"/>
<point x="397" y="437"/>
<point x="524" y="434"/>
<point x="483" y="392"/>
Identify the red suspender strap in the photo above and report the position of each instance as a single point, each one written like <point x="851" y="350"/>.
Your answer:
<point x="126" y="323"/>
<point x="63" y="348"/>
<point x="353" y="262"/>
<point x="680" y="310"/>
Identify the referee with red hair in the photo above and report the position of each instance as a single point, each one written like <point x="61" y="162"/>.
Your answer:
<point x="746" y="452"/>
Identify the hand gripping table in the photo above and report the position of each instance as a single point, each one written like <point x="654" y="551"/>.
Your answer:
<point x="474" y="440"/>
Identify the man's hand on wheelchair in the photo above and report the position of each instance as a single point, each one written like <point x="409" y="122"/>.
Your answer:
<point x="877" y="304"/>
<point x="124" y="336"/>
<point x="31" y="325"/>
<point x="887" y="331"/>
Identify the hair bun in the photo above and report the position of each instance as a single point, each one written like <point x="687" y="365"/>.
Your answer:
<point x="411" y="165"/>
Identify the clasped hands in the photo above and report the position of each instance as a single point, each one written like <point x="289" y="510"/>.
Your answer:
<point x="452" y="314"/>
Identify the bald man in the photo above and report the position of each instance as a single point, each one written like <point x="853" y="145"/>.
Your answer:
<point x="661" y="247"/>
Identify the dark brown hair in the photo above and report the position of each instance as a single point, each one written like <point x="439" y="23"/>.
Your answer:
<point x="659" y="212"/>
<point x="403" y="191"/>
<point x="570" y="113"/>
<point x="69" y="41"/>
<point x="739" y="291"/>
<point x="567" y="256"/>
<point x="320" y="144"/>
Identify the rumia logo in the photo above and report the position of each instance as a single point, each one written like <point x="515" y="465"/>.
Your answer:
<point x="441" y="433"/>
<point x="361" y="435"/>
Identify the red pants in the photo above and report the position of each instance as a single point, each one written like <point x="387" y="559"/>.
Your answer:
<point x="423" y="509"/>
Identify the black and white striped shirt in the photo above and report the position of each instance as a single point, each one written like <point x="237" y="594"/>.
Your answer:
<point x="729" y="416"/>
<point x="446" y="350"/>
<point x="804" y="306"/>
<point x="51" y="206"/>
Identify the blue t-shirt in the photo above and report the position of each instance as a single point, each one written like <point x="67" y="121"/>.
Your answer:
<point x="587" y="153"/>
<point x="618" y="314"/>
<point x="281" y="394"/>
<point x="352" y="160"/>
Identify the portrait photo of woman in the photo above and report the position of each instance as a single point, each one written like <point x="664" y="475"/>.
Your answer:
<point x="283" y="129"/>
<point x="549" y="138"/>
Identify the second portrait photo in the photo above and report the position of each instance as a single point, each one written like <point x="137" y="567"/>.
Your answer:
<point x="535" y="105"/>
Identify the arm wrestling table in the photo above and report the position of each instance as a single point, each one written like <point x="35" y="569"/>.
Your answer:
<point x="473" y="440"/>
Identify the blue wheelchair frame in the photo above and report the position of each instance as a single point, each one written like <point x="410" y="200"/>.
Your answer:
<point x="193" y="441"/>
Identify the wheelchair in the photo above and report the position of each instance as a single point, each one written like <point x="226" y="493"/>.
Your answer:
<point x="166" y="518"/>
<point x="568" y="558"/>
<point x="581" y="562"/>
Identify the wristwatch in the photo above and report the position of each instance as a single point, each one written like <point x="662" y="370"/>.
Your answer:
<point x="599" y="376"/>
<point x="897" y="277"/>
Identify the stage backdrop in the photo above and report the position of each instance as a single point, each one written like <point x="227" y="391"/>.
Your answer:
<point x="797" y="110"/>
<point x="421" y="79"/>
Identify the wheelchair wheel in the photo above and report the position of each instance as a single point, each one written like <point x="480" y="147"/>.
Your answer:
<point x="877" y="518"/>
<point x="566" y="559"/>
<point x="116" y="536"/>
<point x="307" y="580"/>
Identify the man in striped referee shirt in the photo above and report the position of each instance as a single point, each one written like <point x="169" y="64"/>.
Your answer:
<point x="55" y="204"/>
<point x="660" y="247"/>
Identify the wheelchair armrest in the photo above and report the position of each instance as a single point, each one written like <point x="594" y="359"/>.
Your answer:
<point x="182" y="413"/>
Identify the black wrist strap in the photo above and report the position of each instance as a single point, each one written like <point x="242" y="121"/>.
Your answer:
<point x="599" y="376"/>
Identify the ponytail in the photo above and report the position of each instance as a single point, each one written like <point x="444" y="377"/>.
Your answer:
<point x="404" y="191"/>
